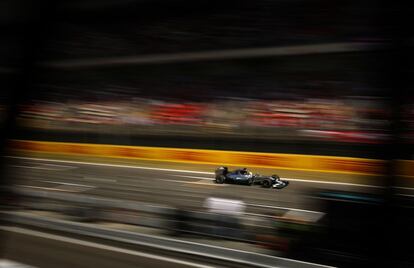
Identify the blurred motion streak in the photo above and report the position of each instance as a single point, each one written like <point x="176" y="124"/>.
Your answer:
<point x="130" y="106"/>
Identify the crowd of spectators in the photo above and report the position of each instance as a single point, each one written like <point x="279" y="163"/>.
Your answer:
<point x="345" y="119"/>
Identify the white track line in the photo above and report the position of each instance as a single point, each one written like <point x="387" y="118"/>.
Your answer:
<point x="196" y="182"/>
<point x="43" y="188"/>
<point x="99" y="179"/>
<point x="182" y="171"/>
<point x="404" y="188"/>
<point x="109" y="165"/>
<point x="31" y="167"/>
<point x="44" y="167"/>
<point x="101" y="246"/>
<point x="408" y="195"/>
<point x="195" y="177"/>
<point x="70" y="184"/>
<point x="12" y="264"/>
<point x="334" y="182"/>
<point x="58" y="166"/>
<point x="284" y="208"/>
<point x="71" y="187"/>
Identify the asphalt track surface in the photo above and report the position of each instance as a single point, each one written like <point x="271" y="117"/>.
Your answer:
<point x="183" y="186"/>
<point x="40" y="249"/>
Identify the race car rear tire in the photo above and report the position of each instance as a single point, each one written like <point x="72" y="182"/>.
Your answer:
<point x="220" y="179"/>
<point x="266" y="183"/>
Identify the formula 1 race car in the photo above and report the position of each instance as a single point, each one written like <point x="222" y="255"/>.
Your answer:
<point x="243" y="176"/>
